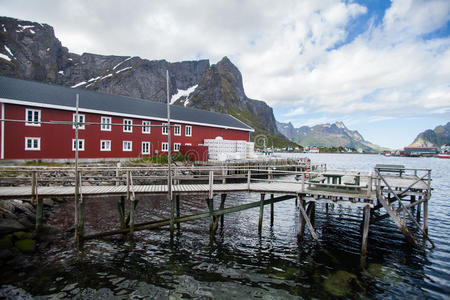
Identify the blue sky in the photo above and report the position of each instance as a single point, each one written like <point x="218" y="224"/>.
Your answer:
<point x="381" y="67"/>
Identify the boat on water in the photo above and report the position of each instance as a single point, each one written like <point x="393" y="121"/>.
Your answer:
<point x="443" y="155"/>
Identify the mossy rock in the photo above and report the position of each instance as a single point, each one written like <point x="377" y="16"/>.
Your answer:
<point x="26" y="246"/>
<point x="6" y="242"/>
<point x="21" y="235"/>
<point x="339" y="283"/>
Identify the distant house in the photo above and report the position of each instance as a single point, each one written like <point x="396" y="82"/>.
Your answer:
<point x="314" y="150"/>
<point x="38" y="123"/>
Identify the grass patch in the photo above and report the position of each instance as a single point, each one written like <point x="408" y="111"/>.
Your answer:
<point x="40" y="163"/>
<point x="160" y="159"/>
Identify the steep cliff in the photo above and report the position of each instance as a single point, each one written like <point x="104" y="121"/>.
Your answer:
<point x="221" y="89"/>
<point x="433" y="138"/>
<point x="31" y="51"/>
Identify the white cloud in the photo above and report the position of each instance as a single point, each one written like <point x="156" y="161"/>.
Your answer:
<point x="288" y="51"/>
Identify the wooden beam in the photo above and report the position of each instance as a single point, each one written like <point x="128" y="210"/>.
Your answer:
<point x="308" y="222"/>
<point x="165" y="222"/>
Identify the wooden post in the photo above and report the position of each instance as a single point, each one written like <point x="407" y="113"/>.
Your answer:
<point x="132" y="206"/>
<point x="224" y="172"/>
<point x="261" y="214"/>
<point x="369" y="185"/>
<point x="425" y="204"/>
<point x="303" y="182"/>
<point x="210" y="203"/>
<point x="81" y="209"/>
<point x="117" y="174"/>
<point x="177" y="204"/>
<point x="36" y="200"/>
<point x="76" y="194"/>
<point x="271" y="210"/>
<point x="425" y="214"/>
<point x="39" y="212"/>
<point x="418" y="210"/>
<point x="217" y="218"/>
<point x="130" y="198"/>
<point x="249" y="175"/>
<point x="211" y="184"/>
<point x="366" y="220"/>
<point x="311" y="211"/>
<point x="121" y="211"/>
<point x="301" y="221"/>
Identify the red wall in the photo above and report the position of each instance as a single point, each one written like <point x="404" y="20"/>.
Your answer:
<point x="56" y="140"/>
<point x="196" y="153"/>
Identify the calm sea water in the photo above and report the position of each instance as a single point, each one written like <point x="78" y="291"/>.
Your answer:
<point x="240" y="264"/>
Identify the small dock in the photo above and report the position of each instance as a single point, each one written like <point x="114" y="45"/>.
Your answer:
<point x="389" y="191"/>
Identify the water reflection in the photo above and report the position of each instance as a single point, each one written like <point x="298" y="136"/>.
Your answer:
<point x="240" y="263"/>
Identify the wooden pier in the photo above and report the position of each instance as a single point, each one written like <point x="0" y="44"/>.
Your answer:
<point x="387" y="192"/>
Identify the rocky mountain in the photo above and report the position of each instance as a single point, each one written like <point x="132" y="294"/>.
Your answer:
<point x="433" y="138"/>
<point x="30" y="50"/>
<point x="327" y="135"/>
<point x="221" y="89"/>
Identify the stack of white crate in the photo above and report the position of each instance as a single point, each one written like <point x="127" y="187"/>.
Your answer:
<point x="220" y="149"/>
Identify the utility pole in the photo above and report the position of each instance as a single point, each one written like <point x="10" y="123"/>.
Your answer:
<point x="169" y="162"/>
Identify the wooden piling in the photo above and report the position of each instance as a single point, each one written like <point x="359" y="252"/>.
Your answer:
<point x="366" y="223"/>
<point x="301" y="221"/>
<point x="39" y="212"/>
<point x="210" y="204"/>
<point x="217" y="218"/>
<point x="425" y="215"/>
<point x="132" y="206"/>
<point x="177" y="208"/>
<point x="261" y="214"/>
<point x="121" y="211"/>
<point x="271" y="210"/>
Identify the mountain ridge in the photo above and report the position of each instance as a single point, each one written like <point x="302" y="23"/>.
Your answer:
<point x="436" y="137"/>
<point x="327" y="135"/>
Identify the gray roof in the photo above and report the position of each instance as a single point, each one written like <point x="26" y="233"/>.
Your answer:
<point x="49" y="94"/>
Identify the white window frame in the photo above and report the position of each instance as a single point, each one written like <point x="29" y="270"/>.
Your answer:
<point x="165" y="129"/>
<point x="81" y="119"/>
<point x="105" y="145"/>
<point x="164" y="147"/>
<point x="146" y="127"/>
<point x="127" y="125"/>
<point x="177" y="130"/>
<point x="80" y="143"/>
<point x="106" y="123"/>
<point x="33" y="122"/>
<point x="148" y="148"/>
<point x="188" y="130"/>
<point x="126" y="149"/>
<point x="176" y="147"/>
<point x="32" y="148"/>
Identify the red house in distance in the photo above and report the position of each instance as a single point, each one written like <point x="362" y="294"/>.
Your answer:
<point x="37" y="124"/>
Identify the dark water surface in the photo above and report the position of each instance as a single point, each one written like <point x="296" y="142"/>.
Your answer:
<point x="240" y="264"/>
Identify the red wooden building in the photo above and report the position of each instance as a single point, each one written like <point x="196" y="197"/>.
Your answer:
<point x="125" y="127"/>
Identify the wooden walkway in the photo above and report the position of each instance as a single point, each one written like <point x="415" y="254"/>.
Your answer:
<point x="293" y="188"/>
<point x="367" y="191"/>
